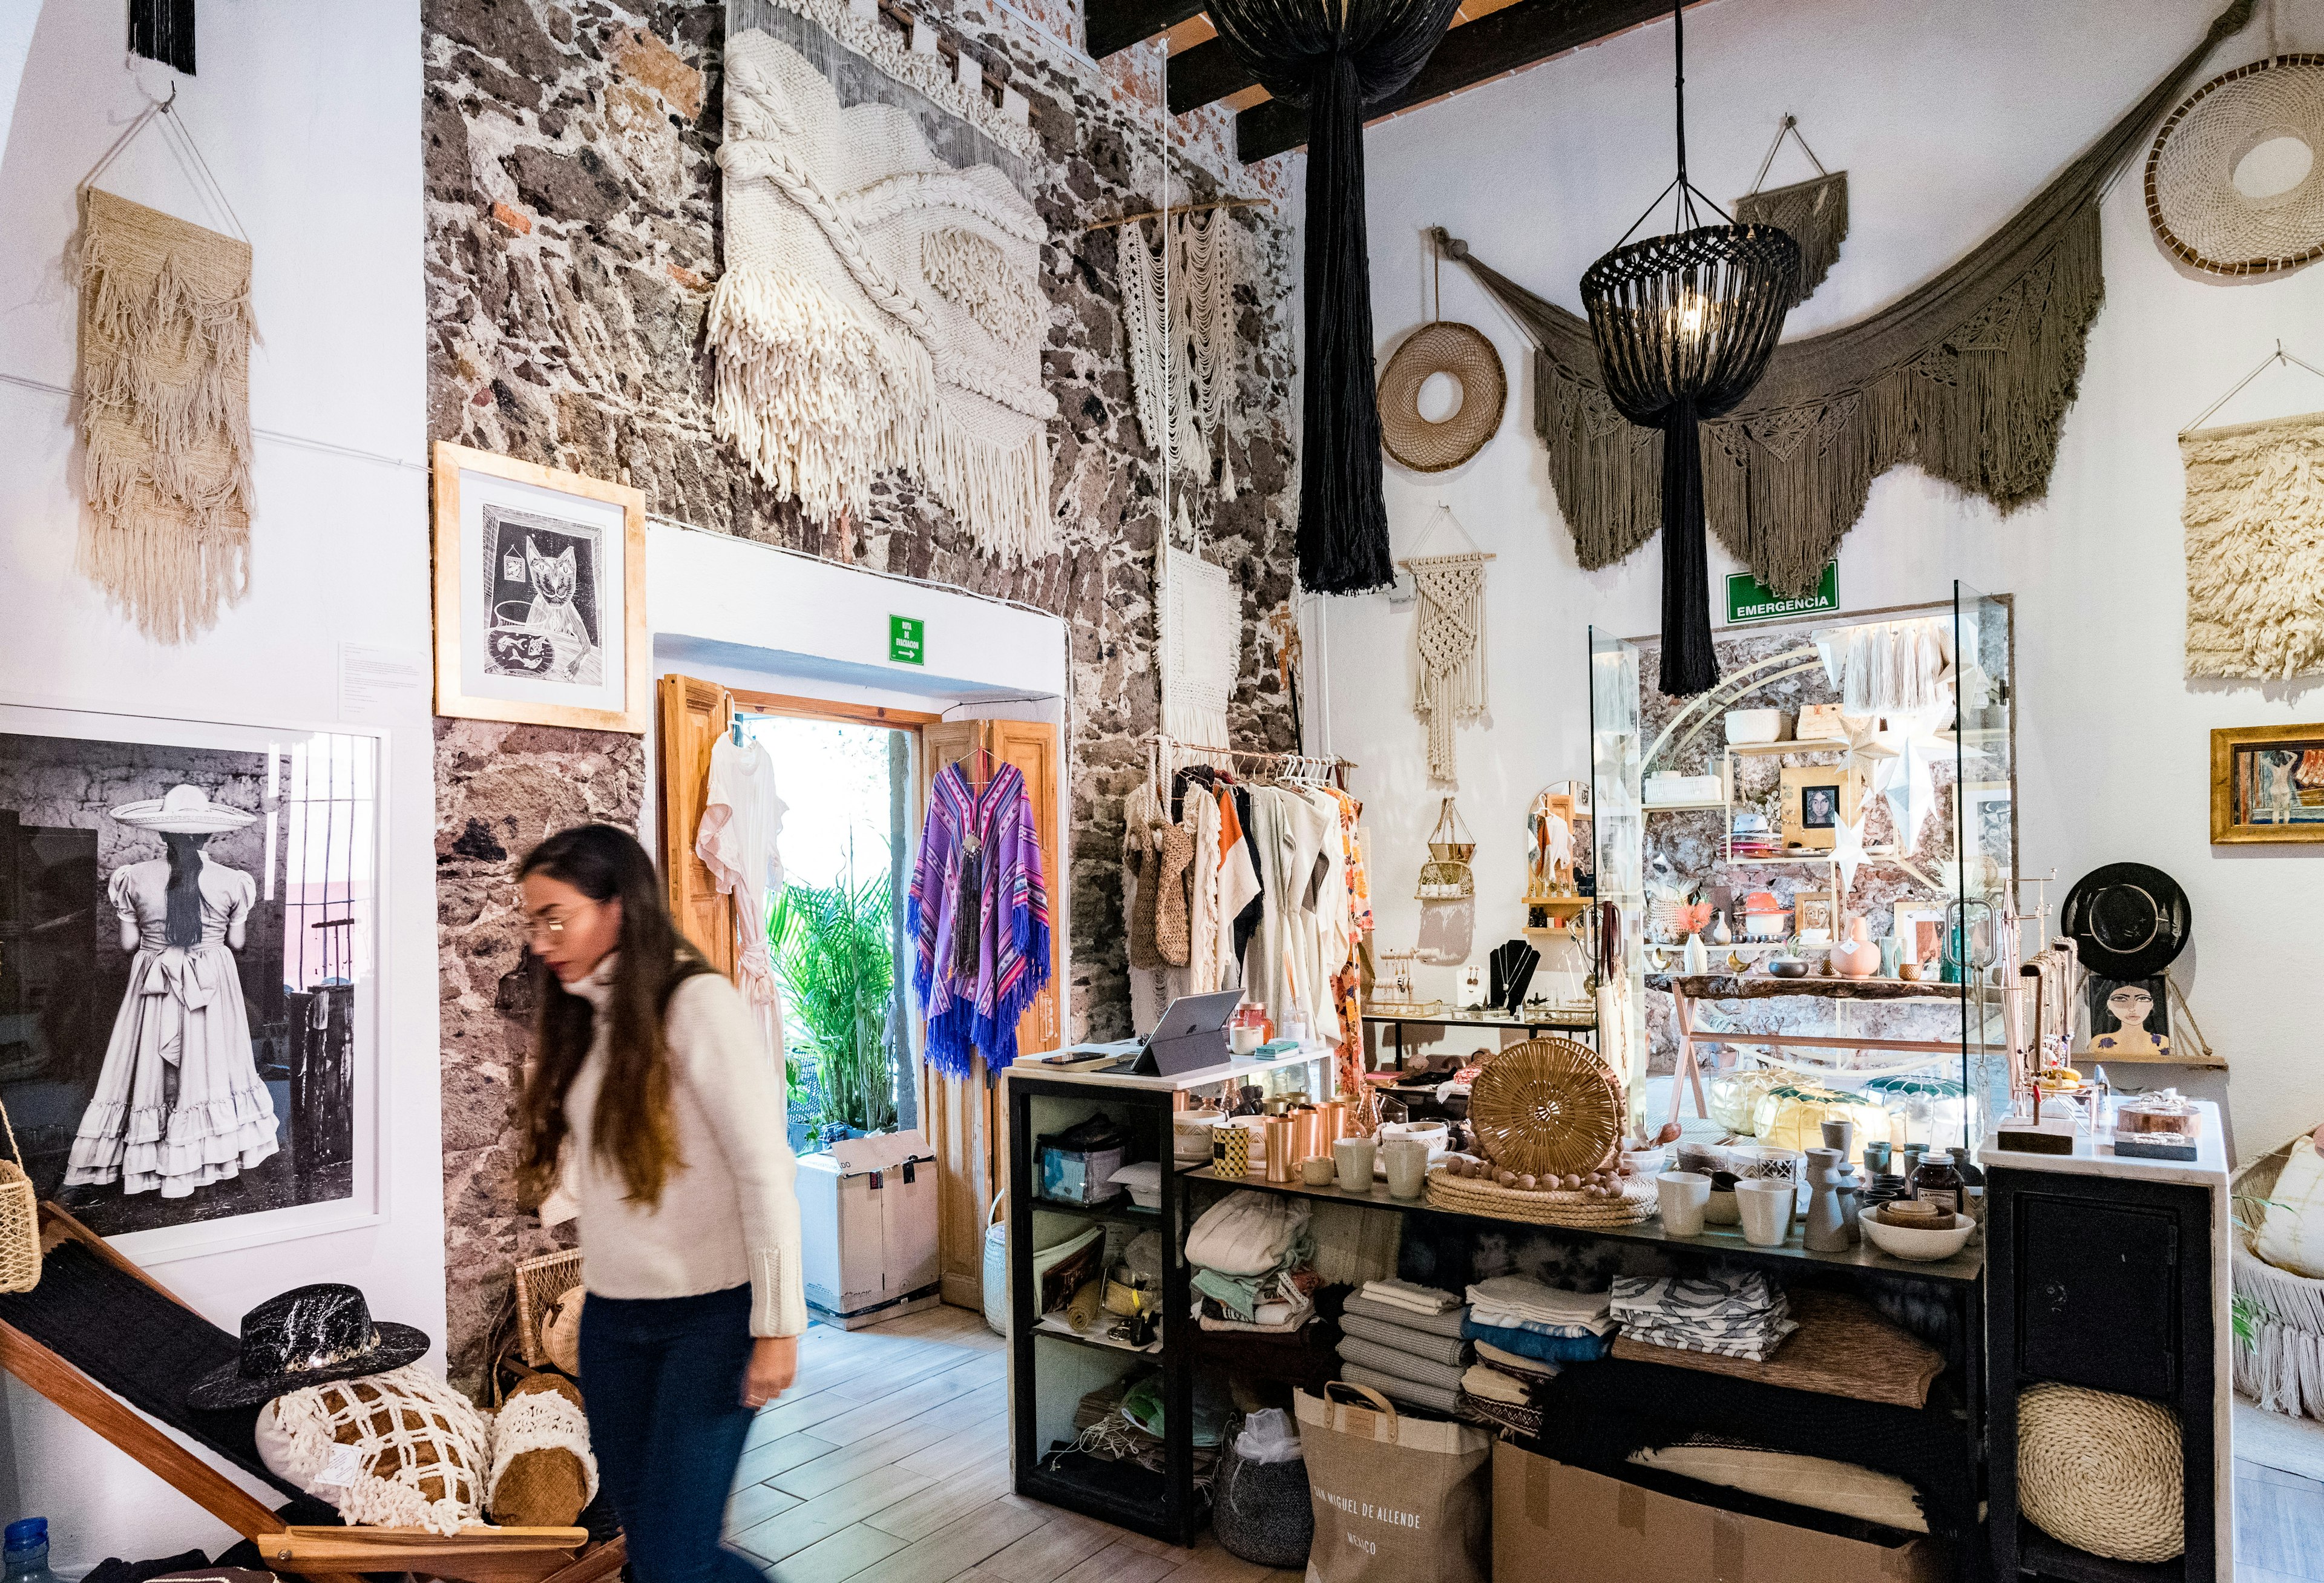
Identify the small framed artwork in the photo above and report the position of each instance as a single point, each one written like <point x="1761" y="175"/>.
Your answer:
<point x="1920" y="931"/>
<point x="2267" y="784"/>
<point x="1815" y="800"/>
<point x="2130" y="1019"/>
<point x="1812" y="917"/>
<point x="540" y="608"/>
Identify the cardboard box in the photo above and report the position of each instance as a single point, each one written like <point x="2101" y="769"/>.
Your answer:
<point x="1554" y="1523"/>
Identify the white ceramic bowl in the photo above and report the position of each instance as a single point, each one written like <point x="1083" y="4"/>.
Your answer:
<point x="1757" y="726"/>
<point x="1906" y="1242"/>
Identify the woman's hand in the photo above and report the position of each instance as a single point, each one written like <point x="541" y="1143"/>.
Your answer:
<point x="774" y="1365"/>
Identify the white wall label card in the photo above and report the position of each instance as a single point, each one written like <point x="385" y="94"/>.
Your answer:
<point x="382" y="684"/>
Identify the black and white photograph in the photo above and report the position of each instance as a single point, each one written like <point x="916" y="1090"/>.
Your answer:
<point x="186" y="939"/>
<point x="1820" y="807"/>
<point x="545" y="607"/>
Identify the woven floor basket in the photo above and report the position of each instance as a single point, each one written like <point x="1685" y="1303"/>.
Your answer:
<point x="19" y="1219"/>
<point x="2282" y="1368"/>
<point x="1547" y="1107"/>
<point x="1464" y="1195"/>
<point x="540" y="1284"/>
<point x="2101" y="1472"/>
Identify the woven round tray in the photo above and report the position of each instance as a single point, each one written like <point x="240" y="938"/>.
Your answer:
<point x="1464" y="1195"/>
<point x="2101" y="1472"/>
<point x="2192" y="200"/>
<point x="1547" y="1107"/>
<point x="1462" y="352"/>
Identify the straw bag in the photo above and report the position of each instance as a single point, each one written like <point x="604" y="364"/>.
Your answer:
<point x="19" y="1219"/>
<point x="541" y="1284"/>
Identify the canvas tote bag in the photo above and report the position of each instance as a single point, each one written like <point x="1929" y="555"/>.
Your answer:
<point x="1398" y="1499"/>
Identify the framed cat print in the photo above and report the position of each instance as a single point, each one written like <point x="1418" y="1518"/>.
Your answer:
<point x="540" y="608"/>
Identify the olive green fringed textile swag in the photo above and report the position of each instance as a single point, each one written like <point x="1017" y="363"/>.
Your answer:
<point x="1968" y="377"/>
<point x="165" y="331"/>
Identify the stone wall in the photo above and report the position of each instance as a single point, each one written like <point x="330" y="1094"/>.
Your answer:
<point x="572" y="239"/>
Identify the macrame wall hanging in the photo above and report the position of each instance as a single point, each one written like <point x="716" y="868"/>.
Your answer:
<point x="1967" y="377"/>
<point x="1201" y="647"/>
<point x="879" y="309"/>
<point x="164" y="379"/>
<point x="1448" y="637"/>
<point x="1179" y="314"/>
<point x="1813" y="213"/>
<point x="2254" y="520"/>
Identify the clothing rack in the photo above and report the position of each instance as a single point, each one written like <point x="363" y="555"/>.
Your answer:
<point x="1293" y="765"/>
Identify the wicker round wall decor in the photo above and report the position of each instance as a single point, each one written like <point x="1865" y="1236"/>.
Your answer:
<point x="1547" y="1107"/>
<point x="2192" y="200"/>
<point x="1461" y="352"/>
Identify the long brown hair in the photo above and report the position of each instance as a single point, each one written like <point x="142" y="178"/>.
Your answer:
<point x="631" y="1128"/>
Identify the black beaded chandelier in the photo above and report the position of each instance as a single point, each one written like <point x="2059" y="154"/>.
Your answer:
<point x="1684" y="324"/>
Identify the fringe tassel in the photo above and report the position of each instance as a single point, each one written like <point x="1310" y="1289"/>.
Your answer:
<point x="999" y="490"/>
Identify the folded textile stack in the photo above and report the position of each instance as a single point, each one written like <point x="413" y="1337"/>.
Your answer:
<point x="1546" y="1327"/>
<point x="1396" y="1339"/>
<point x="1249" y="1254"/>
<point x="1737" y="1315"/>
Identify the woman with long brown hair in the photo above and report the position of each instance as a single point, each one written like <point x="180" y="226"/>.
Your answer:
<point x="655" y="1103"/>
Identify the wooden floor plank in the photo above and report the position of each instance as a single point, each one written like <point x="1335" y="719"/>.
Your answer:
<point x="753" y="1503"/>
<point x="1120" y="1562"/>
<point x="824" y="1515"/>
<point x="842" y="1555"/>
<point x="858" y="1423"/>
<point x="1050" y="1549"/>
<point x="954" y="1548"/>
<point x="966" y="1446"/>
<point x="897" y="1444"/>
<point x="943" y="1501"/>
<point x="762" y="1463"/>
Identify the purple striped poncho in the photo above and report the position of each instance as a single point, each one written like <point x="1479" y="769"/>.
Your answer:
<point x="989" y="841"/>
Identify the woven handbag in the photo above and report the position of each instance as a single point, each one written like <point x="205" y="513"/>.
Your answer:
<point x="541" y="1284"/>
<point x="19" y="1219"/>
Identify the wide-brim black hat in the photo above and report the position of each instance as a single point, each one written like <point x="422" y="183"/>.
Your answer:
<point x="2127" y="921"/>
<point x="307" y="1337"/>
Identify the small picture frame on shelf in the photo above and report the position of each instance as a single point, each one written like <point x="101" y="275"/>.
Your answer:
<point x="2267" y="784"/>
<point x="1814" y="802"/>
<point x="1812" y="917"/>
<point x="1920" y="931"/>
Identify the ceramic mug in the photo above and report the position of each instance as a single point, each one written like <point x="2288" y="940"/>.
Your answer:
<point x="1407" y="1160"/>
<point x="1316" y="1170"/>
<point x="1683" y="1195"/>
<point x="1353" y="1156"/>
<point x="1247" y="1038"/>
<point x="1766" y="1207"/>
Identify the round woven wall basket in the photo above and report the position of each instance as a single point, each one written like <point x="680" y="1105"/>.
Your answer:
<point x="2101" y="1472"/>
<point x="2192" y="200"/>
<point x="1461" y="352"/>
<point x="1548" y="1106"/>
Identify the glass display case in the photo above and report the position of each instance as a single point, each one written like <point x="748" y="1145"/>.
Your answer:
<point x="1616" y="770"/>
<point x="1979" y="948"/>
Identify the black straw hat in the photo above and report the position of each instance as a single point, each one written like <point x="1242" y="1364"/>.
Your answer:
<point x="307" y="1337"/>
<point x="2127" y="921"/>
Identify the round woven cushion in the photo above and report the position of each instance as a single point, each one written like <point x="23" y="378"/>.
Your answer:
<point x="2191" y="198"/>
<point x="1462" y="352"/>
<point x="2101" y="1472"/>
<point x="1548" y="1106"/>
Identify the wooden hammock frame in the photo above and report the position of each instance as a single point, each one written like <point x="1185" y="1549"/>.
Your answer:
<point x="478" y="1554"/>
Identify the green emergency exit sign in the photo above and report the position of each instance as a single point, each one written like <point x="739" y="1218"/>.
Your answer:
<point x="1749" y="599"/>
<point x="906" y="641"/>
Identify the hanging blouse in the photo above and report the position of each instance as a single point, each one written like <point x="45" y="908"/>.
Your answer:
<point x="979" y="915"/>
<point x="741" y="818"/>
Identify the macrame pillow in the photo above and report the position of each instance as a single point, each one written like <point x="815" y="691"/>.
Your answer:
<point x="402" y="1449"/>
<point x="542" y="1473"/>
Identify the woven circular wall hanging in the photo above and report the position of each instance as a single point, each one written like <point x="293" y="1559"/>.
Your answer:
<point x="2191" y="197"/>
<point x="1461" y="352"/>
<point x="1548" y="1106"/>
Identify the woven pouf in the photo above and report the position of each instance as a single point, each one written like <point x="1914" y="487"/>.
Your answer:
<point x="2101" y="1472"/>
<point x="1261" y="1511"/>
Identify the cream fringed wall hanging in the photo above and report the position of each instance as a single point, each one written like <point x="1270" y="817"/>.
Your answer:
<point x="879" y="309"/>
<point x="164" y="377"/>
<point x="1450" y="637"/>
<point x="2254" y="520"/>
<point x="1181" y="327"/>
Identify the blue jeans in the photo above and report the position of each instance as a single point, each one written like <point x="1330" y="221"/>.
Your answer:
<point x="663" y="1381"/>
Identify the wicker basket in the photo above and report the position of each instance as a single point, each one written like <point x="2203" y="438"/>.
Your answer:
<point x="19" y="1219"/>
<point x="2283" y="1367"/>
<point x="1466" y="1195"/>
<point x="1547" y="1107"/>
<point x="540" y="1284"/>
<point x="2101" y="1472"/>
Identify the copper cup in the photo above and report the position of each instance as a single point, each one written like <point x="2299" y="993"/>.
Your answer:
<point x="1281" y="1139"/>
<point x="1335" y="1125"/>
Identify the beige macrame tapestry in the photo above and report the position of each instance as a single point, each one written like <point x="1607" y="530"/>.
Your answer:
<point x="1180" y="321"/>
<point x="879" y="309"/>
<point x="165" y="332"/>
<point x="1201" y="647"/>
<point x="1967" y="377"/>
<point x="2254" y="520"/>
<point x="1451" y="638"/>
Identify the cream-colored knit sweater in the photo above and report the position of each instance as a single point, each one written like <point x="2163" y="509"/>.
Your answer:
<point x="730" y="1213"/>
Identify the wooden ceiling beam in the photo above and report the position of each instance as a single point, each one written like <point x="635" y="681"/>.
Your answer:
<point x="1205" y="75"/>
<point x="1111" y="25"/>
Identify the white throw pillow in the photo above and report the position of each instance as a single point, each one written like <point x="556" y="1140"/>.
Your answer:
<point x="2291" y="1230"/>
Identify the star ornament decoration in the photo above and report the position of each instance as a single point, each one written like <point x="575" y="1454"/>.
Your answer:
<point x="1848" y="852"/>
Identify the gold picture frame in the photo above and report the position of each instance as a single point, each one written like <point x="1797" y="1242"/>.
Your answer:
<point x="540" y="595"/>
<point x="2267" y="784"/>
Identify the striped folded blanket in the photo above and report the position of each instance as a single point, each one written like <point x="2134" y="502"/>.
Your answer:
<point x="1447" y="1323"/>
<point x="1404" y="1365"/>
<point x="1419" y="1343"/>
<point x="1433" y="1397"/>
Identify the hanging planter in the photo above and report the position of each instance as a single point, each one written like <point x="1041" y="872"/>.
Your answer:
<point x="1446" y="876"/>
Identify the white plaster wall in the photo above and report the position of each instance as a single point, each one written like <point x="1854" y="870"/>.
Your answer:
<point x="314" y="133"/>
<point x="1946" y="118"/>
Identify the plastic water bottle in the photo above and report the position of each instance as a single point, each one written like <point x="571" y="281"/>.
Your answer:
<point x="26" y="1547"/>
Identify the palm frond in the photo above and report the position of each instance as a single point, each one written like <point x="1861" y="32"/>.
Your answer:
<point x="833" y="948"/>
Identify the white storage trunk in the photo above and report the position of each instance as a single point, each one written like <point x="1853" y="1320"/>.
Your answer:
<point x="868" y="1222"/>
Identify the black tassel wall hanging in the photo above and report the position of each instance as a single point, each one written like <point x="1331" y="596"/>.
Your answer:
<point x="1335" y="57"/>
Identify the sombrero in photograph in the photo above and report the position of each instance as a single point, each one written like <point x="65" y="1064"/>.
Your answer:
<point x="183" y="810"/>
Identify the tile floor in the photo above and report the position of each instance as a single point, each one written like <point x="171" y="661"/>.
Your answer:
<point x="888" y="1462"/>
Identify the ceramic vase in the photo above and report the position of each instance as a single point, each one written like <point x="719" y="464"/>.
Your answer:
<point x="1698" y="959"/>
<point x="1859" y="957"/>
<point x="1826" y="1228"/>
<point x="1721" y="934"/>
<point x="1892" y="956"/>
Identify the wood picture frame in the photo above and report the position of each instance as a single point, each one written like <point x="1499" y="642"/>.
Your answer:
<point x="1815" y="918"/>
<point x="1813" y="801"/>
<point x="541" y="584"/>
<point x="2267" y="784"/>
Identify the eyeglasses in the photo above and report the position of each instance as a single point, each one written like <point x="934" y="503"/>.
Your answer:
<point x="535" y="925"/>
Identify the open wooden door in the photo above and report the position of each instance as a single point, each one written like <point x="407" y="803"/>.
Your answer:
<point x="966" y="1122"/>
<point x="694" y="715"/>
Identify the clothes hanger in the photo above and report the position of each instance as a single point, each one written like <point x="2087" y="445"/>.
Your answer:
<point x="2278" y="356"/>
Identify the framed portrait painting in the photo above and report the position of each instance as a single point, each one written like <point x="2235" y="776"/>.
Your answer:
<point x="541" y="609"/>
<point x="2267" y="784"/>
<point x="189" y="990"/>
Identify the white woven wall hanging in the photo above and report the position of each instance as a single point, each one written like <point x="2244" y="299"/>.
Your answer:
<point x="878" y="309"/>
<point x="2254" y="522"/>
<point x="1450" y="637"/>
<point x="1182" y="347"/>
<point x="957" y="89"/>
<point x="1201" y="647"/>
